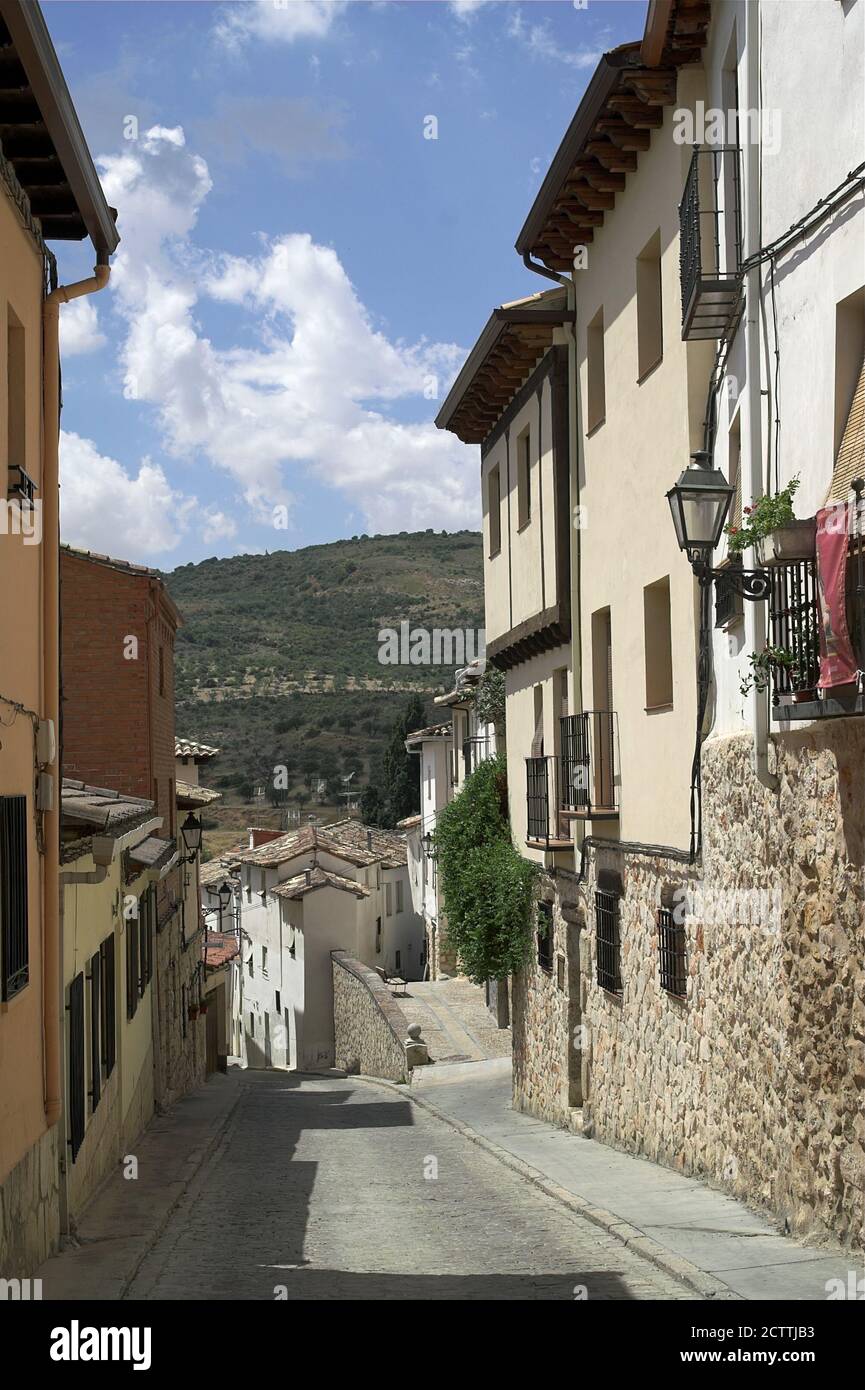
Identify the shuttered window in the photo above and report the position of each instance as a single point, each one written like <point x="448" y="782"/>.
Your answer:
<point x="109" y="1022"/>
<point x="131" y="966"/>
<point x="14" y="942"/>
<point x="95" y="1030"/>
<point x="147" y="912"/>
<point x="851" y="454"/>
<point x="76" y="1064"/>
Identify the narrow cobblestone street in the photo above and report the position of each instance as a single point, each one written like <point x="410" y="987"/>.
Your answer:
<point x="319" y="1186"/>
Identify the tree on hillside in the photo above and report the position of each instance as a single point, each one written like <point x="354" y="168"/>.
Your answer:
<point x="394" y="787"/>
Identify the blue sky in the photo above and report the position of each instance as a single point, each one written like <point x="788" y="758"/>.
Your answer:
<point x="301" y="272"/>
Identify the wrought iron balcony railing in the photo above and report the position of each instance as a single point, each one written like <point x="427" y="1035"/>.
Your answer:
<point x="710" y="242"/>
<point x="545" y="825"/>
<point x="590" y="772"/>
<point x="476" y="750"/>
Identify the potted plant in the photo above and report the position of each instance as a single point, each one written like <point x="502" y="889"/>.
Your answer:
<point x="762" y="664"/>
<point x="771" y="527"/>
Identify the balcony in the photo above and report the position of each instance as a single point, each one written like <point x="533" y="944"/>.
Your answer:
<point x="590" y="770"/>
<point x="794" y="623"/>
<point x="710" y="242"/>
<point x="477" y="750"/>
<point x="546" y="827"/>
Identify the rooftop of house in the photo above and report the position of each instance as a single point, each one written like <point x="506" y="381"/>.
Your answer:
<point x="409" y="823"/>
<point x="42" y="140"/>
<point x="464" y="684"/>
<point x="311" y="879"/>
<point x="346" y="839"/>
<point x="189" y="795"/>
<point x="153" y="853"/>
<point x="219" y="948"/>
<point x="214" y="871"/>
<point x="433" y="731"/>
<point x="85" y="808"/>
<point x="189" y="748"/>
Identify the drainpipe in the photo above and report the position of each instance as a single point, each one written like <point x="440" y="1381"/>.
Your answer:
<point x="52" y="975"/>
<point x="756" y="612"/>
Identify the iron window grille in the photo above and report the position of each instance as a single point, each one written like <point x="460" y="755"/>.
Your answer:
<point x="14" y="936"/>
<point x="589" y="779"/>
<point x="729" y="603"/>
<point x="608" y="941"/>
<point x="132" y="990"/>
<point x="476" y="750"/>
<point x="76" y="1064"/>
<point x="545" y="937"/>
<point x="109" y="1021"/>
<point x="95" y="1029"/>
<point x="672" y="953"/>
<point x="794" y="620"/>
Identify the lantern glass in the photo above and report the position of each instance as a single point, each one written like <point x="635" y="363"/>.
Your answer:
<point x="224" y="894"/>
<point x="699" y="504"/>
<point x="191" y="832"/>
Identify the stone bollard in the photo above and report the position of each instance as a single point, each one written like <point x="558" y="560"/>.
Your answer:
<point x="416" y="1051"/>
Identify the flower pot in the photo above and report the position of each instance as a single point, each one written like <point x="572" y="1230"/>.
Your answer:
<point x="795" y="541"/>
<point x="804" y="697"/>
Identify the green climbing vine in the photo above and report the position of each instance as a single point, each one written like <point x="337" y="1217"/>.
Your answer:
<point x="487" y="886"/>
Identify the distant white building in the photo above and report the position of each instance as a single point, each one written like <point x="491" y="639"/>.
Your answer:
<point x="343" y="886"/>
<point x="448" y="753"/>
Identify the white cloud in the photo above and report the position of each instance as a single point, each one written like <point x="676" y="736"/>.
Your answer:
<point x="79" y="328"/>
<point x="312" y="397"/>
<point x="104" y="508"/>
<point x="540" y="42"/>
<point x="466" y="10"/>
<point x="276" y="21"/>
<point x="217" y="526"/>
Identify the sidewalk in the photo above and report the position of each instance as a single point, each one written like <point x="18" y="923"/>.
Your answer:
<point x="711" y="1240"/>
<point x="126" y="1216"/>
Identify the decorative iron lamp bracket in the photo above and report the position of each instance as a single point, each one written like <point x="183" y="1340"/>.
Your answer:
<point x="754" y="585"/>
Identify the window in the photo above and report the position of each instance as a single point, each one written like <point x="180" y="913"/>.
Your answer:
<point x="650" y="337"/>
<point x="184" y="1005"/>
<point x="278" y="1007"/>
<point x="378" y="936"/>
<point x="560" y="973"/>
<point x="658" y="644"/>
<point x="252" y="1025"/>
<point x="429" y="781"/>
<point x="95" y="1028"/>
<point x="524" y="479"/>
<point x="596" y="405"/>
<point x="849" y="393"/>
<point x="378" y="876"/>
<point x="494" y="508"/>
<point x="264" y="960"/>
<point x="399" y="895"/>
<point x="147" y="910"/>
<point x="672" y="954"/>
<point x="16" y="438"/>
<point x="132" y="991"/>
<point x="14" y="938"/>
<point x="250" y="964"/>
<point x="545" y="936"/>
<point x="76" y="1064"/>
<point x="608" y="944"/>
<point x="387" y="901"/>
<point x="109" y="1024"/>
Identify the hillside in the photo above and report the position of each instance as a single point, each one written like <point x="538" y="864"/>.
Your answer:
<point x="278" y="658"/>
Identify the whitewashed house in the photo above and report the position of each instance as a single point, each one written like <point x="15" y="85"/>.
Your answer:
<point x="344" y="887"/>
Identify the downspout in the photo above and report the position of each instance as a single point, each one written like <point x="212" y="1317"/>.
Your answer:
<point x="752" y="239"/>
<point x="52" y="974"/>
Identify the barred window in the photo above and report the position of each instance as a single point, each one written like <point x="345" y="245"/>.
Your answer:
<point x="672" y="953"/>
<point x="14" y="939"/>
<point x="608" y="942"/>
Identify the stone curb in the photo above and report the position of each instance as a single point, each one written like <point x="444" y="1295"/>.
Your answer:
<point x="687" y="1273"/>
<point x="198" y="1157"/>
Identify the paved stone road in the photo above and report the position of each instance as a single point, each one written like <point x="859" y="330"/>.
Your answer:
<point x="455" y="1022"/>
<point x="318" y="1186"/>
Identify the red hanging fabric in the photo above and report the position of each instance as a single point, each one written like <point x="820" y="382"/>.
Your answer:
<point x="837" y="658"/>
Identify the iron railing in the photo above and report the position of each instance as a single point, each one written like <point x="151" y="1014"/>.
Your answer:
<point x="710" y="241"/>
<point x="608" y="942"/>
<point x="14" y="940"/>
<point x="794" y="626"/>
<point x="76" y="1065"/>
<point x="672" y="953"/>
<point x="476" y="750"/>
<point x="544" y="824"/>
<point x="590" y="774"/>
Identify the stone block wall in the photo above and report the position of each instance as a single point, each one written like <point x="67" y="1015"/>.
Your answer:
<point x="30" y="1209"/>
<point x="369" y="1027"/>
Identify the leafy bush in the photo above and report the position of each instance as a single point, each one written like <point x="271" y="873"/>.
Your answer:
<point x="487" y="886"/>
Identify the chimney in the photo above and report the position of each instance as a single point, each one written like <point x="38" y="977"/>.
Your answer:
<point x="309" y="876"/>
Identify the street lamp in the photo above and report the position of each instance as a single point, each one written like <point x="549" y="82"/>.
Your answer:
<point x="191" y="832"/>
<point x="429" y="845"/>
<point x="224" y="893"/>
<point x="699" y="504"/>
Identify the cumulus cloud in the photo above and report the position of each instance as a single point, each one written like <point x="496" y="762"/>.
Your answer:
<point x="538" y="39"/>
<point x="217" y="526"/>
<point x="276" y="21"/>
<point x="103" y="507"/>
<point x="466" y="10"/>
<point x="313" y="396"/>
<point x="79" y="328"/>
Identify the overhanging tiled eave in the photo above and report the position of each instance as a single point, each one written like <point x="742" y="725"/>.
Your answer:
<point x="515" y="337"/>
<point x="613" y="124"/>
<point x="41" y="137"/>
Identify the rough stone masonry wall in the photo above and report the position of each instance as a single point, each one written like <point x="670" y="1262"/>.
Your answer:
<point x="755" y="1080"/>
<point x="369" y="1028"/>
<point x="30" y="1210"/>
<point x="544" y="1014"/>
